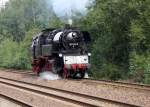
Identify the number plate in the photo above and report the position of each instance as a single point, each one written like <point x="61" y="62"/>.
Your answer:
<point x="76" y="59"/>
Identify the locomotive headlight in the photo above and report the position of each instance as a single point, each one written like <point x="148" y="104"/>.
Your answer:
<point x="89" y="54"/>
<point x="60" y="55"/>
<point x="72" y="35"/>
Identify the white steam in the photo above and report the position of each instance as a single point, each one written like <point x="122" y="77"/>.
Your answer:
<point x="70" y="22"/>
<point x="49" y="76"/>
<point x="86" y="75"/>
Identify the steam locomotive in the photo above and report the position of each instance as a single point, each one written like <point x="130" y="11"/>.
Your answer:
<point x="61" y="51"/>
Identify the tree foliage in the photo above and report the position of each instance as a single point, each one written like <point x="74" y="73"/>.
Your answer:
<point x="19" y="22"/>
<point x="18" y="17"/>
<point x="120" y="34"/>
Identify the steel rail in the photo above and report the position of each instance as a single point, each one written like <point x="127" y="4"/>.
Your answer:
<point x="14" y="101"/>
<point x="89" y="80"/>
<point x="73" y="97"/>
<point x="143" y="87"/>
<point x="18" y="71"/>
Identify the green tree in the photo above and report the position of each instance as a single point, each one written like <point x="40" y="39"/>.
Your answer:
<point x="140" y="43"/>
<point x="23" y="15"/>
<point x="118" y="28"/>
<point x="19" y="22"/>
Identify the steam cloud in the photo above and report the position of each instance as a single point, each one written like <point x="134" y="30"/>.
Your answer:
<point x="49" y="76"/>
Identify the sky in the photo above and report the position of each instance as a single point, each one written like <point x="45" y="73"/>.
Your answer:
<point x="64" y="7"/>
<point x="2" y="2"/>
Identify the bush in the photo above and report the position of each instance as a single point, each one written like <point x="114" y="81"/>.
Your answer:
<point x="8" y="53"/>
<point x="17" y="55"/>
<point x="140" y="68"/>
<point x="108" y="71"/>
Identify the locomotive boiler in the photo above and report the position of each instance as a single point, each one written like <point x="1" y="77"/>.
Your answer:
<point x="61" y="51"/>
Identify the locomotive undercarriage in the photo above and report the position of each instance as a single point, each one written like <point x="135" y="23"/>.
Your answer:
<point x="57" y="66"/>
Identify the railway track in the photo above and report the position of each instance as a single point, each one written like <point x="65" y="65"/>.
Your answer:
<point x="19" y="71"/>
<point x="120" y="84"/>
<point x="108" y="82"/>
<point x="7" y="100"/>
<point x="77" y="99"/>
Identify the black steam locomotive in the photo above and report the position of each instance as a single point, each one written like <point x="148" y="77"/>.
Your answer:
<point x="61" y="51"/>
